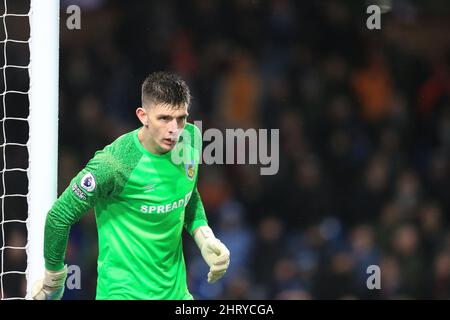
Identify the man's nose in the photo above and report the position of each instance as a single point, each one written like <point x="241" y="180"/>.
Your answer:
<point x="173" y="126"/>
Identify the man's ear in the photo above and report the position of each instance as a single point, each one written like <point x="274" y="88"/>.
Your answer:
<point x="141" y="113"/>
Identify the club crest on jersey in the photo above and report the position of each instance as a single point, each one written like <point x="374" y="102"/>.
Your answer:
<point x="190" y="170"/>
<point x="88" y="182"/>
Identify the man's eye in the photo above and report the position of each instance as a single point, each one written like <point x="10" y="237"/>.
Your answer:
<point x="165" y="118"/>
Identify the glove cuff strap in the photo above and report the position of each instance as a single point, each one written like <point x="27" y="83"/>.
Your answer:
<point x="202" y="234"/>
<point x="55" y="279"/>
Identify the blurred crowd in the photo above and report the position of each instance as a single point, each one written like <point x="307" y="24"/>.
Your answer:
<point x="364" y="120"/>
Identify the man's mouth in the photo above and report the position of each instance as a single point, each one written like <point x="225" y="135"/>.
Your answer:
<point x="170" y="141"/>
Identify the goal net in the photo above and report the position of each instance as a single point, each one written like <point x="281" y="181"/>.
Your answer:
<point x="29" y="38"/>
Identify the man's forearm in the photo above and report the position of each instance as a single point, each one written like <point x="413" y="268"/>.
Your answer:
<point x="64" y="213"/>
<point x="195" y="213"/>
<point x="55" y="241"/>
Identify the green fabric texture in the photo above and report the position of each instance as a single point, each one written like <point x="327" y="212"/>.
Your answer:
<point x="142" y="202"/>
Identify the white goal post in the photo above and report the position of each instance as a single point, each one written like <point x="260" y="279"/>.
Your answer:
<point x="43" y="128"/>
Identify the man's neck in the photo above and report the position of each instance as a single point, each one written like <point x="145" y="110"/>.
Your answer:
<point x="147" y="143"/>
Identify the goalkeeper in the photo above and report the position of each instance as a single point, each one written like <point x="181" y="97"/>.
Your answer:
<point x="143" y="200"/>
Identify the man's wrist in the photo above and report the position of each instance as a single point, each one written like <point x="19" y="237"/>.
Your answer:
<point x="55" y="278"/>
<point x="54" y="267"/>
<point x="201" y="234"/>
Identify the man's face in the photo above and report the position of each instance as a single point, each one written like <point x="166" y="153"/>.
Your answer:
<point x="165" y="125"/>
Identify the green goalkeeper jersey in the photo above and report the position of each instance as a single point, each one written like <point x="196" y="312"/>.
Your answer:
<point x="142" y="201"/>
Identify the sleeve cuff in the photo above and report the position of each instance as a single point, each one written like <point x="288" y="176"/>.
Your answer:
<point x="54" y="267"/>
<point x="196" y="224"/>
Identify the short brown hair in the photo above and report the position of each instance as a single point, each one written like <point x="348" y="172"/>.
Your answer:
<point x="164" y="87"/>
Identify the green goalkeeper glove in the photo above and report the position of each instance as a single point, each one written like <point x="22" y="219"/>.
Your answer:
<point x="214" y="252"/>
<point x="51" y="287"/>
